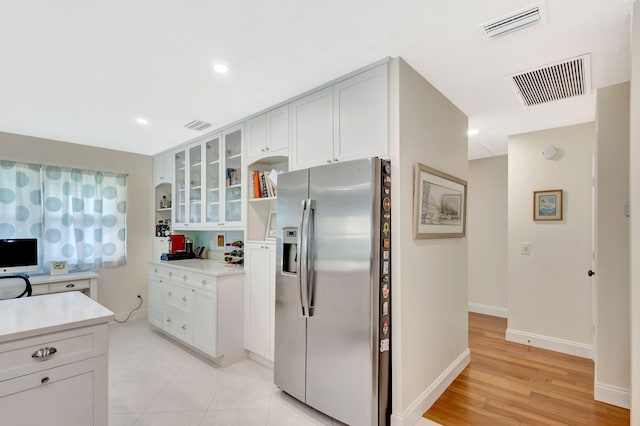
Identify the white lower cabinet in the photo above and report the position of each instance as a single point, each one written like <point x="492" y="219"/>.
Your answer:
<point x="260" y="260"/>
<point x="202" y="311"/>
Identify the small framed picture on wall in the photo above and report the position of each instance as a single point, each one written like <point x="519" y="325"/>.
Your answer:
<point x="547" y="205"/>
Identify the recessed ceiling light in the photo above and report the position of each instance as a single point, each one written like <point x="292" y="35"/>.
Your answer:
<point x="143" y="121"/>
<point x="220" y="68"/>
<point x="472" y="132"/>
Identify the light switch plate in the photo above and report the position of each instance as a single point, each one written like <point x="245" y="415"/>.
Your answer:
<point x="525" y="249"/>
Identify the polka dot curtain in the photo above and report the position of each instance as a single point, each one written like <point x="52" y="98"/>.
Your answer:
<point x="21" y="201"/>
<point x="84" y="217"/>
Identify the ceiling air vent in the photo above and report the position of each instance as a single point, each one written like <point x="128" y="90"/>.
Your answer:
<point x="561" y="80"/>
<point x="515" y="21"/>
<point x="198" y="125"/>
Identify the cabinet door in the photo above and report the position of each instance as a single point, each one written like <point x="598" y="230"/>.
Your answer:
<point x="271" y="299"/>
<point x="212" y="171"/>
<point x="195" y="184"/>
<point x="205" y="322"/>
<point x="312" y="130"/>
<point x="163" y="169"/>
<point x="278" y="131"/>
<point x="155" y="301"/>
<point x="232" y="140"/>
<point x="256" y="318"/>
<point x="360" y="109"/>
<point x="256" y="136"/>
<point x="180" y="192"/>
<point x="71" y="395"/>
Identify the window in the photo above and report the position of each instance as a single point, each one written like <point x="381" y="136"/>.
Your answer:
<point x="77" y="215"/>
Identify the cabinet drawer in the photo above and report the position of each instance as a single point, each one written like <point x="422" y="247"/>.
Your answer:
<point x="39" y="289"/>
<point x="205" y="282"/>
<point x="181" y="276"/>
<point x="68" y="286"/>
<point x="178" y="297"/>
<point x="16" y="357"/>
<point x="178" y="325"/>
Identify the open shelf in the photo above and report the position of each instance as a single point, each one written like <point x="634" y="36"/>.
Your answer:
<point x="259" y="200"/>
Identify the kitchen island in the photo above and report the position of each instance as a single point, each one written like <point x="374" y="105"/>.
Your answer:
<point x="199" y="303"/>
<point x="54" y="360"/>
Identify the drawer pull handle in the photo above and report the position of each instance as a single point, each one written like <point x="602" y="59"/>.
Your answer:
<point x="204" y="282"/>
<point x="44" y="352"/>
<point x="70" y="285"/>
<point x="184" y="277"/>
<point x="184" y="327"/>
<point x="44" y="380"/>
<point x="184" y="299"/>
<point x="169" y="294"/>
<point x="169" y="320"/>
<point x="170" y="273"/>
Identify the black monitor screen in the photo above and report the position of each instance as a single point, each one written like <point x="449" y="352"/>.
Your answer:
<point x="18" y="252"/>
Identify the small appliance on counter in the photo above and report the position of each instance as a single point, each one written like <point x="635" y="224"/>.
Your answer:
<point x="176" y="243"/>
<point x="179" y="248"/>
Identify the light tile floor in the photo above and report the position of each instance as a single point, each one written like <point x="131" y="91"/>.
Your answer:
<point x="154" y="381"/>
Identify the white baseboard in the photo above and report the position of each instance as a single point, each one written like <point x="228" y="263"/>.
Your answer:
<point x="412" y="415"/>
<point x="260" y="360"/>
<point x="551" y="343"/>
<point x="494" y="311"/>
<point x="613" y="395"/>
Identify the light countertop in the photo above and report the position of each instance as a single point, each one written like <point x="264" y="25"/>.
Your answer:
<point x="31" y="316"/>
<point x="46" y="278"/>
<point x="205" y="266"/>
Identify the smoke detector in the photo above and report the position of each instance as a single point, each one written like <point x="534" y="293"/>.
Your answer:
<point x="515" y="21"/>
<point x="560" y="80"/>
<point x="198" y="125"/>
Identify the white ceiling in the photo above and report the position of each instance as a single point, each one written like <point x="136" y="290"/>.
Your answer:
<point x="82" y="71"/>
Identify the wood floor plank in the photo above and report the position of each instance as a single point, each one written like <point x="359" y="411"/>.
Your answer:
<point x="508" y="383"/>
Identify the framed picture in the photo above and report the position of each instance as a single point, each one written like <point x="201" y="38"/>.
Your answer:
<point x="271" y="227"/>
<point x="439" y="204"/>
<point x="547" y="205"/>
<point x="58" y="267"/>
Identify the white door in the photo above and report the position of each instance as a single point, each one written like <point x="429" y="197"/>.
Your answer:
<point x="278" y="131"/>
<point x="155" y="302"/>
<point x="271" y="298"/>
<point x="205" y="324"/>
<point x="256" y="136"/>
<point x="312" y="130"/>
<point x="256" y="334"/>
<point x="360" y="109"/>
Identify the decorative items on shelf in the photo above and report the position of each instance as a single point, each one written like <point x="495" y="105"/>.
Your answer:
<point x="58" y="267"/>
<point x="165" y="203"/>
<point x="235" y="256"/>
<point x="233" y="177"/>
<point x="263" y="186"/>
<point x="163" y="228"/>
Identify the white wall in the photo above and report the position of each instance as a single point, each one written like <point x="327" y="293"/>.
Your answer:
<point x="487" y="235"/>
<point x="613" y="351"/>
<point x="549" y="291"/>
<point x="119" y="286"/>
<point x="429" y="288"/>
<point x="634" y="180"/>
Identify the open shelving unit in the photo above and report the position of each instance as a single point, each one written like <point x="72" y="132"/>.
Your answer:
<point x="258" y="209"/>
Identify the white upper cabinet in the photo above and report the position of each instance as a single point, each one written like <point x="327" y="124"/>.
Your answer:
<point x="346" y="121"/>
<point x="163" y="168"/>
<point x="267" y="135"/>
<point x="360" y="114"/>
<point x="312" y="130"/>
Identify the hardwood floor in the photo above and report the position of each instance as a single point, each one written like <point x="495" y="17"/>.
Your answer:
<point x="511" y="384"/>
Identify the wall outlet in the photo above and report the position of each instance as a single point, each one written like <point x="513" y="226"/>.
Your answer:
<point x="525" y="249"/>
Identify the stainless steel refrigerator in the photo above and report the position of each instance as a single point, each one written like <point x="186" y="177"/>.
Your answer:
<point x="333" y="281"/>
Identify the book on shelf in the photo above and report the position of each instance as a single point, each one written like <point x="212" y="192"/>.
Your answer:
<point x="263" y="186"/>
<point x="256" y="185"/>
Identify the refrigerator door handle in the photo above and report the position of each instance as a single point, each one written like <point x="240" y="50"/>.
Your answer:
<point x="308" y="235"/>
<point x="300" y="280"/>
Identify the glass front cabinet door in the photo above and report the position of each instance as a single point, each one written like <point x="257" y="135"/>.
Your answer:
<point x="233" y="176"/>
<point x="180" y="196"/>
<point x="212" y="155"/>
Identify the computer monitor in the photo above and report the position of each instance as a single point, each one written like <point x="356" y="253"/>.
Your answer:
<point x="18" y="255"/>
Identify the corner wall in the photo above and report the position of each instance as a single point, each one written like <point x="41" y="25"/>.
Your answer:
<point x="550" y="299"/>
<point x="429" y="293"/>
<point x="119" y="286"/>
<point x="634" y="170"/>
<point x="613" y="351"/>
<point x="487" y="235"/>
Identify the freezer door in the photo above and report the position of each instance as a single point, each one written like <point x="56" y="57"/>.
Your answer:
<point x="290" y="326"/>
<point x="342" y="368"/>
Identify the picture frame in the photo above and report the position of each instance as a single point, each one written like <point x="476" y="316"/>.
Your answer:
<point x="439" y="204"/>
<point x="547" y="205"/>
<point x="58" y="267"/>
<point x="271" y="227"/>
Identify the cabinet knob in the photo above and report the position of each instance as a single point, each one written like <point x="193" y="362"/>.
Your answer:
<point x="184" y="277"/>
<point x="184" y="299"/>
<point x="169" y="320"/>
<point x="155" y="270"/>
<point x="262" y="150"/>
<point x="267" y="148"/>
<point x="204" y="282"/>
<point x="70" y="285"/>
<point x="328" y="161"/>
<point x="169" y="294"/>
<point x="170" y="273"/>
<point x="44" y="380"/>
<point x="184" y="327"/>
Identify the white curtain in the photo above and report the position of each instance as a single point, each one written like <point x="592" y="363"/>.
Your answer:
<point x="84" y="217"/>
<point x="21" y="202"/>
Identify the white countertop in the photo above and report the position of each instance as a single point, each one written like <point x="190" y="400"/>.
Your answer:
<point x="46" y="278"/>
<point x="31" y="316"/>
<point x="206" y="266"/>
